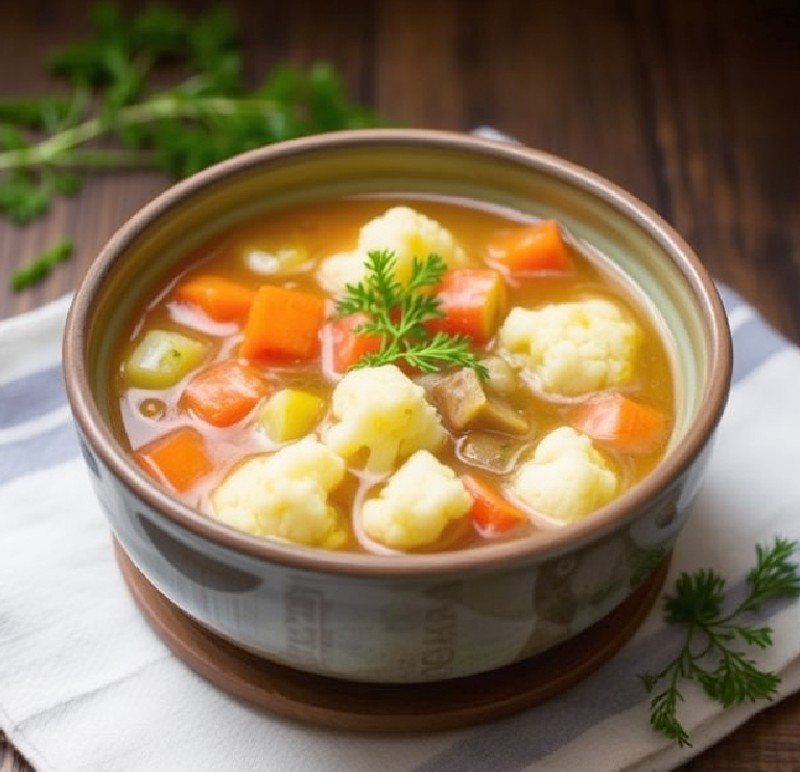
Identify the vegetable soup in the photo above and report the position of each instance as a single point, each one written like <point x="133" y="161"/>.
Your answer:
<point x="394" y="375"/>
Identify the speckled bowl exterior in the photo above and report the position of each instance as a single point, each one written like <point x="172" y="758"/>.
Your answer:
<point x="408" y="618"/>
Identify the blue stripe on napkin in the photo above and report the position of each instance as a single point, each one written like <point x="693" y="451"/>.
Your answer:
<point x="30" y="396"/>
<point x="730" y="299"/>
<point x="39" y="451"/>
<point x="754" y="343"/>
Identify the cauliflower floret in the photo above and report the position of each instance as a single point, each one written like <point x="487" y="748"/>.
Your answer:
<point x="414" y="507"/>
<point x="566" y="478"/>
<point x="409" y="234"/>
<point x="385" y="412"/>
<point x="574" y="348"/>
<point x="284" y="495"/>
<point x="339" y="270"/>
<point x="402" y="230"/>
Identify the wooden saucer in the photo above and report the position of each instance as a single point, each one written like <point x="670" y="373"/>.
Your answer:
<point x="424" y="707"/>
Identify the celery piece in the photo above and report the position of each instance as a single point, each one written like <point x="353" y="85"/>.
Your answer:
<point x="290" y="414"/>
<point x="161" y="358"/>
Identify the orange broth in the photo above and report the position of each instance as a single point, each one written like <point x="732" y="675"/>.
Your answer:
<point x="329" y="227"/>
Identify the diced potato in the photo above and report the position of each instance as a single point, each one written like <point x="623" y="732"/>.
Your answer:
<point x="463" y="404"/>
<point x="290" y="414"/>
<point x="162" y="358"/>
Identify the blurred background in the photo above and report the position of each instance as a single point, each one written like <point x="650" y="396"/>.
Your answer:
<point x="691" y="106"/>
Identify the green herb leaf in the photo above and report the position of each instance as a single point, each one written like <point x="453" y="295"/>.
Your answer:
<point x="708" y="657"/>
<point x="34" y="113"/>
<point x="398" y="314"/>
<point x="155" y="90"/>
<point x="37" y="269"/>
<point x="774" y="576"/>
<point x="23" y="199"/>
<point x="698" y="596"/>
<point x="664" y="716"/>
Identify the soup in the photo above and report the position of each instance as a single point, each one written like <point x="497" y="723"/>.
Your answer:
<point x="394" y="375"/>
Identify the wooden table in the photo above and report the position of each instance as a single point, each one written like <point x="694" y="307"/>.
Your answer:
<point x="692" y="106"/>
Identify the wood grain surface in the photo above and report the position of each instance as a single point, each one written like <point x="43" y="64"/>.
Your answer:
<point x="691" y="106"/>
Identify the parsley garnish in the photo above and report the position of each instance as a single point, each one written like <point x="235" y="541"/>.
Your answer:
<point x="712" y="654"/>
<point x="159" y="91"/>
<point x="398" y="314"/>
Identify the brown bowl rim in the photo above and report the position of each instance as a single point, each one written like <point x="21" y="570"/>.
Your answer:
<point x="487" y="557"/>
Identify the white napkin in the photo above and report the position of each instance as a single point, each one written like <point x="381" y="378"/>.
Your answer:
<point x="85" y="684"/>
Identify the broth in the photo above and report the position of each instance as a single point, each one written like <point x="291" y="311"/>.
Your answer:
<point x="310" y="234"/>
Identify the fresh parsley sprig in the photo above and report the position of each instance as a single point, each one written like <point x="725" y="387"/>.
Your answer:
<point x="161" y="91"/>
<point x="398" y="312"/>
<point x="712" y="653"/>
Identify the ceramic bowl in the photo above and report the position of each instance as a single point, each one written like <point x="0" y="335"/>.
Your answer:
<point x="411" y="618"/>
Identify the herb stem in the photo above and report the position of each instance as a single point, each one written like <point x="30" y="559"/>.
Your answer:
<point x="121" y="114"/>
<point x="710" y="643"/>
<point x="58" y="150"/>
<point x="101" y="158"/>
<point x="398" y="314"/>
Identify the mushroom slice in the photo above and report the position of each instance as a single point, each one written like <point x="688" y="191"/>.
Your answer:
<point x="496" y="453"/>
<point x="464" y="404"/>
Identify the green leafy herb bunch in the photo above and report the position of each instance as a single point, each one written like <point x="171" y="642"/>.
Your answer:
<point x="714" y="653"/>
<point x="159" y="91"/>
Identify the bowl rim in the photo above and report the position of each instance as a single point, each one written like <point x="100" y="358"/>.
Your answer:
<point x="490" y="556"/>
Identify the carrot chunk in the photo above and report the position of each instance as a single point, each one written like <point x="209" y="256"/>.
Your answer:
<point x="345" y="346"/>
<point x="283" y="324"/>
<point x="490" y="511"/>
<point x="221" y="299"/>
<point x="472" y="301"/>
<point x="534" y="248"/>
<point x="224" y="393"/>
<point x="177" y="459"/>
<point x="621" y="423"/>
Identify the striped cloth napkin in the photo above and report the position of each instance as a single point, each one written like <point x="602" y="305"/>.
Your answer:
<point x="85" y="684"/>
